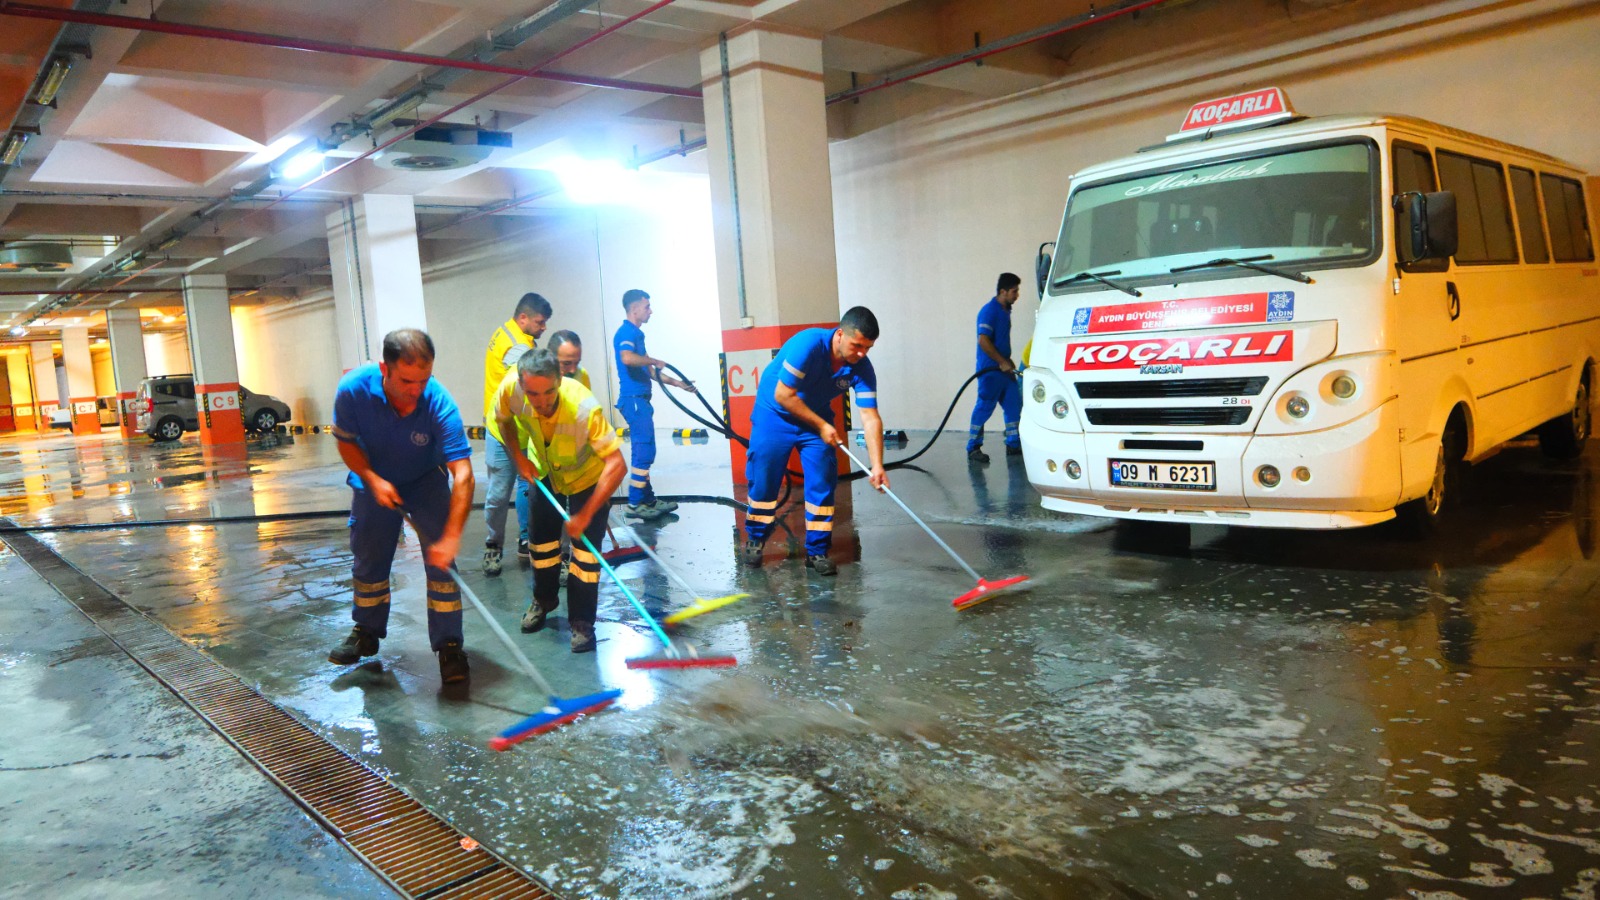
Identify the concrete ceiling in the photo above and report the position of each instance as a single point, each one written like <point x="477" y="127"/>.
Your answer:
<point x="161" y="144"/>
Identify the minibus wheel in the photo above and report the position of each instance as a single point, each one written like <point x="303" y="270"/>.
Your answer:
<point x="1564" y="436"/>
<point x="1423" y="516"/>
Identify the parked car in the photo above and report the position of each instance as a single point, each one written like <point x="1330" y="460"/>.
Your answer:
<point x="167" y="408"/>
<point x="61" y="417"/>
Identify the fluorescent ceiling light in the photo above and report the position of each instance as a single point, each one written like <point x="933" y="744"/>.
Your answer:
<point x="302" y="162"/>
<point x="11" y="151"/>
<point x="18" y="331"/>
<point x="54" y="77"/>
<point x="595" y="182"/>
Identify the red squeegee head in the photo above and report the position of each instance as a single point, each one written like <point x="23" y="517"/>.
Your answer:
<point x="988" y="590"/>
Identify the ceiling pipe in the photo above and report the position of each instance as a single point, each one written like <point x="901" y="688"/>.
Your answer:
<point x="496" y="88"/>
<point x="939" y="64"/>
<point x="285" y="42"/>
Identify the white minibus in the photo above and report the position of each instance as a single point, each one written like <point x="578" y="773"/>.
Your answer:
<point x="1273" y="320"/>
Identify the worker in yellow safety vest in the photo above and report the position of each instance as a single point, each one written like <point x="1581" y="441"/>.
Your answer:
<point x="572" y="447"/>
<point x="508" y="343"/>
<point x="568" y="348"/>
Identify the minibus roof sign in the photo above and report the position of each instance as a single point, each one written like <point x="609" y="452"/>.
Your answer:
<point x="1251" y="109"/>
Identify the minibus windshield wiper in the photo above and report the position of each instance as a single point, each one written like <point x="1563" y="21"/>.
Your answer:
<point x="1248" y="262"/>
<point x="1096" y="276"/>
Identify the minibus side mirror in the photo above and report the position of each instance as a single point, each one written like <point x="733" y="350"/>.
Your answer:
<point x="1041" y="267"/>
<point x="1433" y="224"/>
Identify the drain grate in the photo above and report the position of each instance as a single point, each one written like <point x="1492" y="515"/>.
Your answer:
<point x="415" y="851"/>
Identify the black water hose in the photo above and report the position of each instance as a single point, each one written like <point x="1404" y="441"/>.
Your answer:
<point x="722" y="427"/>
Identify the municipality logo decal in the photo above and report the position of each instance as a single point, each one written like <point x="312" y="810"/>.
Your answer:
<point x="420" y="438"/>
<point x="843" y="384"/>
<point x="1080" y="320"/>
<point x="1280" y="306"/>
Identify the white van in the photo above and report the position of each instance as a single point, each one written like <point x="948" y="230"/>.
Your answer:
<point x="1307" y="322"/>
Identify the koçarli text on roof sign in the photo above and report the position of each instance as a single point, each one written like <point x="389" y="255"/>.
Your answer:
<point x="1250" y="108"/>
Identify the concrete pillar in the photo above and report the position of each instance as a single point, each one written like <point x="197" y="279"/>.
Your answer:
<point x="45" y="396"/>
<point x="377" y="274"/>
<point x="21" y="397"/>
<point x="127" y="364"/>
<point x="80" y="379"/>
<point x="8" y="420"/>
<point x="216" y="370"/>
<point x="778" y="240"/>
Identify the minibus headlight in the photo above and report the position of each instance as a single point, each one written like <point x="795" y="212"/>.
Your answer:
<point x="1059" y="409"/>
<point x="1038" y="392"/>
<point x="1343" y="387"/>
<point x="1074" y="471"/>
<point x="1268" y="476"/>
<point x="1298" y="407"/>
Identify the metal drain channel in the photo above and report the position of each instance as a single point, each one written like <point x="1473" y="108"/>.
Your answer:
<point x="416" y="852"/>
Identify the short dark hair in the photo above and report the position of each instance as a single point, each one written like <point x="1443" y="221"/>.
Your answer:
<point x="408" y="345"/>
<point x="1007" y="282"/>
<point x="860" y="320"/>
<point x="562" y="338"/>
<point x="532" y="304"/>
<point x="541" y="363"/>
<point x="629" y="298"/>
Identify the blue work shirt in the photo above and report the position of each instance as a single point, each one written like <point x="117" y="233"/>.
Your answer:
<point x="401" y="449"/>
<point x="994" y="320"/>
<point x="806" y="364"/>
<point x="633" y="381"/>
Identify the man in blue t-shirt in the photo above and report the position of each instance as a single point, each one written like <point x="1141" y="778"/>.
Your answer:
<point x="994" y="350"/>
<point x="399" y="432"/>
<point x="635" y="369"/>
<point x="794" y="409"/>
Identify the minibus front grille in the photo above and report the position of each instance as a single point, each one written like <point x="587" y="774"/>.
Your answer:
<point x="1171" y="387"/>
<point x="1171" y="415"/>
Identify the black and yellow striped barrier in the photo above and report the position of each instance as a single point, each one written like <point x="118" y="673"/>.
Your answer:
<point x="688" y="432"/>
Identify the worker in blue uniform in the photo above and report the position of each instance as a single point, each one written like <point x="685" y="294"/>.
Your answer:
<point x="794" y="410"/>
<point x="635" y="370"/>
<point x="994" y="351"/>
<point x="400" y="434"/>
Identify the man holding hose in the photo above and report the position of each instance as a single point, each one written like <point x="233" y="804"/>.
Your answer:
<point x="794" y="411"/>
<point x="578" y="456"/>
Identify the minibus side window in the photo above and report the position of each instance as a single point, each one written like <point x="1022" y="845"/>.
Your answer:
<point x="1569" y="226"/>
<point x="1526" y="197"/>
<point x="1484" y="215"/>
<point x="1413" y="171"/>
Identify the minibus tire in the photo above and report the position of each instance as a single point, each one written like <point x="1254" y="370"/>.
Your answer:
<point x="1565" y="436"/>
<point x="1423" y="517"/>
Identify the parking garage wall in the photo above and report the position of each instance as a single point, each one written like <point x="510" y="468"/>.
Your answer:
<point x="929" y="210"/>
<point x="290" y="350"/>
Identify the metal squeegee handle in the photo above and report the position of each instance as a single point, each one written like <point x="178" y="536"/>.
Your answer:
<point x="915" y="518"/>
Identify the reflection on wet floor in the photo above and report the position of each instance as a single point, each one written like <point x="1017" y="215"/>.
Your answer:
<point x="1239" y="714"/>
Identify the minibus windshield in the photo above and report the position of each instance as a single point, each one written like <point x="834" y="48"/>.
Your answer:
<point x="1302" y="208"/>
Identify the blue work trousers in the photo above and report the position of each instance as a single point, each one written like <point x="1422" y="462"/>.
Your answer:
<point x="503" y="481"/>
<point x="1005" y="390"/>
<point x="374" y="532"/>
<point x="771" y="441"/>
<point x="641" y="419"/>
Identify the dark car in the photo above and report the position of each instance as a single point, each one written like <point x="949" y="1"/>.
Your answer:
<point x="167" y="408"/>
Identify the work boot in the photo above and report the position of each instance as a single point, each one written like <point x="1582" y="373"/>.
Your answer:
<point x="642" y="511"/>
<point x="976" y="455"/>
<point x="1013" y="451"/>
<point x="534" y="619"/>
<point x="453" y="663"/>
<point x="750" y="555"/>
<point x="524" y="554"/>
<point x="491" y="559"/>
<point x="662" y="507"/>
<point x="822" y="565"/>
<point x="583" y="637"/>
<point x="357" y="645"/>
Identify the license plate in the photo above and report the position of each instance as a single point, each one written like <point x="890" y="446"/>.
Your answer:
<point x="1167" y="476"/>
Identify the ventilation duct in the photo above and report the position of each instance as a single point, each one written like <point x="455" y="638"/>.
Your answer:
<point x="37" y="257"/>
<point x="442" y="147"/>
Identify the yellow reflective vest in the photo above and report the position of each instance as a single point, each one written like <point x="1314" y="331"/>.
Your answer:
<point x="570" y="447"/>
<point x="506" y="346"/>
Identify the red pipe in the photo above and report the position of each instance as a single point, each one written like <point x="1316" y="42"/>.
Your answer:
<point x="28" y="11"/>
<point x="1001" y="47"/>
<point x="462" y="105"/>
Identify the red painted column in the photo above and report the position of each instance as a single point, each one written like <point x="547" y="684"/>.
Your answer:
<point x="216" y="369"/>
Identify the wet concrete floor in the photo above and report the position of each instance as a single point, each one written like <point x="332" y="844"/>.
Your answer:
<point x="1245" y="714"/>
